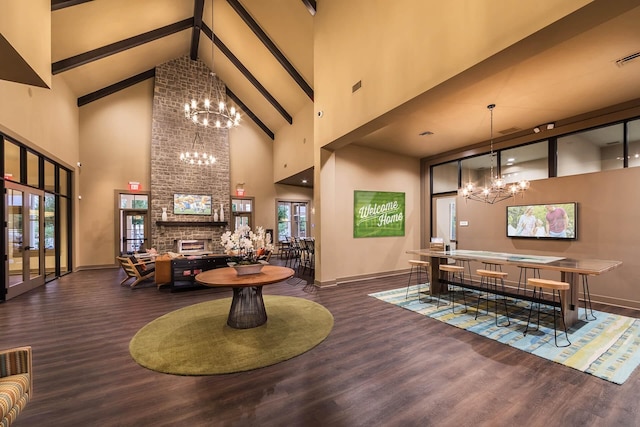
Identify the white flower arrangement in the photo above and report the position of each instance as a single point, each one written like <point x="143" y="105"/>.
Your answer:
<point x="246" y="246"/>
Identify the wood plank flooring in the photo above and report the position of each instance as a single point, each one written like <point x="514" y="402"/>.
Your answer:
<point x="380" y="366"/>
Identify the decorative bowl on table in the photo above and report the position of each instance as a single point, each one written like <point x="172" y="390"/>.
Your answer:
<point x="244" y="269"/>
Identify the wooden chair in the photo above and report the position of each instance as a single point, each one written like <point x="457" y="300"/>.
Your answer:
<point x="137" y="269"/>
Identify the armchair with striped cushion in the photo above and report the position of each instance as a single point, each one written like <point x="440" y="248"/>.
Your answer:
<point x="16" y="383"/>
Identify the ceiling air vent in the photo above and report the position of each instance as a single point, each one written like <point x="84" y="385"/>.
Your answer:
<point x="623" y="61"/>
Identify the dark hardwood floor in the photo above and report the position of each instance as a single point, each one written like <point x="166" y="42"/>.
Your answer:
<point x="380" y="366"/>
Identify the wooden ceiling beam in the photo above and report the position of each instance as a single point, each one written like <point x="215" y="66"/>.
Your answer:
<point x="61" y="4"/>
<point x="109" y="90"/>
<point x="235" y="61"/>
<point x="311" y="6"/>
<point x="271" y="47"/>
<point x="249" y="113"/>
<point x="198" y="8"/>
<point x="113" y="48"/>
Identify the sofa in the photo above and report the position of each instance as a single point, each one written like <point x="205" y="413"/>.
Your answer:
<point x="16" y="383"/>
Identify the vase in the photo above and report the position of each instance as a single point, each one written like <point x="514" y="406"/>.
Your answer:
<point x="215" y="215"/>
<point x="221" y="213"/>
<point x="164" y="214"/>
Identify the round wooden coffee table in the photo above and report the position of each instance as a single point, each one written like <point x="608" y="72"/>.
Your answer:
<point x="247" y="306"/>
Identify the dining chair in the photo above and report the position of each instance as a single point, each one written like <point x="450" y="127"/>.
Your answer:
<point x="309" y="261"/>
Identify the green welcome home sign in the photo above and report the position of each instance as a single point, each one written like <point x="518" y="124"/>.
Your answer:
<point x="378" y="214"/>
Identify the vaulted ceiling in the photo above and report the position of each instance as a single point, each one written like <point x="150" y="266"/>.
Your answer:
<point x="263" y="51"/>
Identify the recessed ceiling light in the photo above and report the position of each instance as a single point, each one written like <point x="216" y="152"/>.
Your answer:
<point x="304" y="181"/>
<point x="511" y="159"/>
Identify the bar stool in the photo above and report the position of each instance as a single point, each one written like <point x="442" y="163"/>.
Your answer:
<point x="491" y="266"/>
<point x="448" y="273"/>
<point x="487" y="278"/>
<point x="554" y="286"/>
<point x="523" y="270"/>
<point x="465" y="262"/>
<point x="417" y="267"/>
<point x="587" y="297"/>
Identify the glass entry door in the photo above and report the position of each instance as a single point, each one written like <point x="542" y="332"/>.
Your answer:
<point x="25" y="238"/>
<point x="134" y="231"/>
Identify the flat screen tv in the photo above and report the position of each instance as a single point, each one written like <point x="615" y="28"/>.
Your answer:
<point x="543" y="221"/>
<point x="191" y="204"/>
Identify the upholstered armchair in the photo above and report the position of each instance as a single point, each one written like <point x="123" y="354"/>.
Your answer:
<point x="16" y="383"/>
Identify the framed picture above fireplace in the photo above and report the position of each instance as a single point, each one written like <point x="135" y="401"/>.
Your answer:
<point x="191" y="204"/>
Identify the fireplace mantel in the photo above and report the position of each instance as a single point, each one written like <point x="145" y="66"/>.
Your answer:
<point x="191" y="223"/>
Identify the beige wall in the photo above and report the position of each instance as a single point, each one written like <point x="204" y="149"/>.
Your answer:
<point x="25" y="41"/>
<point x="251" y="163"/>
<point x="47" y="121"/>
<point x="399" y="55"/>
<point x="115" y="148"/>
<point x="358" y="168"/>
<point x="293" y="145"/>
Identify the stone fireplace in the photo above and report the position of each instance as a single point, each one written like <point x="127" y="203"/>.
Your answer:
<point x="176" y="82"/>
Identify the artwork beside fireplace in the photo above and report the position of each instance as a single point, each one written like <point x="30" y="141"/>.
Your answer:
<point x="191" y="204"/>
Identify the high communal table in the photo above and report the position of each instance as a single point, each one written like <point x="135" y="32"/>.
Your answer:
<point x="247" y="306"/>
<point x="570" y="270"/>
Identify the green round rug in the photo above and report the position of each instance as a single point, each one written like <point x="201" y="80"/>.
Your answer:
<point x="196" y="340"/>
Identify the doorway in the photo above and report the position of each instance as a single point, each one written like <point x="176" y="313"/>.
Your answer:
<point x="443" y="216"/>
<point x="25" y="238"/>
<point x="134" y="232"/>
<point x="293" y="220"/>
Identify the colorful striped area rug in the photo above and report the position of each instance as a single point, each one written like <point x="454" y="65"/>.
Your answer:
<point x="608" y="347"/>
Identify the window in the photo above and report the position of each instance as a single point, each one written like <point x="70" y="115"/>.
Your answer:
<point x="593" y="150"/>
<point x="525" y="162"/>
<point x="11" y="161"/>
<point x="242" y="211"/>
<point x="444" y="177"/>
<point x="293" y="220"/>
<point x="33" y="169"/>
<point x="478" y="170"/>
<point x="49" y="176"/>
<point x="633" y="132"/>
<point x="134" y="201"/>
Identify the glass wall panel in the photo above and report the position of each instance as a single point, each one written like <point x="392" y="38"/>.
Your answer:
<point x="49" y="235"/>
<point x="445" y="177"/>
<point x="11" y="161"/>
<point x="527" y="162"/>
<point x="634" y="143"/>
<point x="477" y="170"/>
<point x="594" y="150"/>
<point x="63" y="249"/>
<point x="33" y="169"/>
<point x="49" y="176"/>
<point x="134" y="201"/>
<point x="64" y="182"/>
